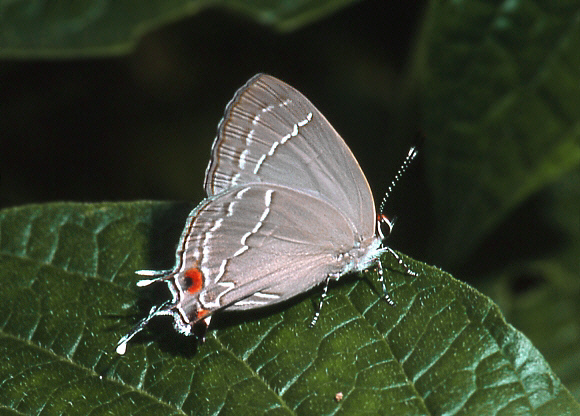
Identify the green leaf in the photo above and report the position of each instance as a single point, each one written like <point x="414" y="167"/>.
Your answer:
<point x="501" y="109"/>
<point x="68" y="294"/>
<point x="34" y="28"/>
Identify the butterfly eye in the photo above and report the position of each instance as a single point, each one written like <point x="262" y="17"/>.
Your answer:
<point x="384" y="226"/>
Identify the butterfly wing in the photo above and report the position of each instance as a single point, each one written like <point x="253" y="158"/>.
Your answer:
<point x="261" y="244"/>
<point x="271" y="133"/>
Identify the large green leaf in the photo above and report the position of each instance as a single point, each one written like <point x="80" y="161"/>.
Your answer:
<point x="33" y="28"/>
<point x="68" y="294"/>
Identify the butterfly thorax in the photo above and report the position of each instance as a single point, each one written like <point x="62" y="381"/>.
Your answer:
<point x="361" y="256"/>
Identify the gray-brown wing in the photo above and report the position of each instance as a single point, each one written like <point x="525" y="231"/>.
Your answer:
<point x="271" y="133"/>
<point x="260" y="244"/>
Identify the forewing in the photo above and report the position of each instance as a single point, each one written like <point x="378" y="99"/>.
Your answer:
<point x="271" y="133"/>
<point x="260" y="244"/>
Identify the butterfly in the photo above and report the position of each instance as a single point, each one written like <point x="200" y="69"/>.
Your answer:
<point x="288" y="208"/>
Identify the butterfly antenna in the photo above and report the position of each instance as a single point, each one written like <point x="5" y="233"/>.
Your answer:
<point x="413" y="151"/>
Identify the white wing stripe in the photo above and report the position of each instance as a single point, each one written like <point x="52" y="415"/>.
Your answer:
<point x="266" y="295"/>
<point x="274" y="146"/>
<point x="259" y="164"/>
<point x="242" y="161"/>
<point x="222" y="270"/>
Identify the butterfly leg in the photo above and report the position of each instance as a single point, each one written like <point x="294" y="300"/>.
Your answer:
<point x="401" y="262"/>
<point x="382" y="280"/>
<point x="324" y="292"/>
<point x="382" y="277"/>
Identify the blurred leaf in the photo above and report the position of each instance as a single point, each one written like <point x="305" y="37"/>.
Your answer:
<point x="502" y="111"/>
<point x="35" y="28"/>
<point x="68" y="295"/>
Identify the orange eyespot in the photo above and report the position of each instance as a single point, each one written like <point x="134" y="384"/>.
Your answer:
<point x="193" y="280"/>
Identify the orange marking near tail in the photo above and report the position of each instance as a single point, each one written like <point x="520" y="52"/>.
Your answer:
<point x="195" y="280"/>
